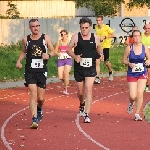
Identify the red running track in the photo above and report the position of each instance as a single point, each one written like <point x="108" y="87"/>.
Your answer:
<point x="111" y="128"/>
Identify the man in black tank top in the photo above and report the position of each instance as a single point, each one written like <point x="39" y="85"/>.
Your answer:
<point x="34" y="48"/>
<point x="86" y="46"/>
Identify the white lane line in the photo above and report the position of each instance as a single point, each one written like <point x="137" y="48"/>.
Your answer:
<point x="4" y="125"/>
<point x="84" y="133"/>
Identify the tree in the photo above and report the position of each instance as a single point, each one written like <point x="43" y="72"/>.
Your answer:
<point x="109" y="7"/>
<point x="12" y="12"/>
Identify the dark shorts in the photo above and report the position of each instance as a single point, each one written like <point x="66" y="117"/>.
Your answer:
<point x="106" y="54"/>
<point x="38" y="78"/>
<point x="135" y="79"/>
<point x="80" y="74"/>
<point x="63" y="62"/>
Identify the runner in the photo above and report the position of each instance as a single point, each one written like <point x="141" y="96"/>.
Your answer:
<point x="86" y="45"/>
<point x="64" y="62"/>
<point x="146" y="41"/>
<point x="34" y="49"/>
<point x="105" y="33"/>
<point x="137" y="72"/>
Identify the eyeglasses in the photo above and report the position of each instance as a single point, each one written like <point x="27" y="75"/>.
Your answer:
<point x="84" y="28"/>
<point x="35" y="26"/>
<point x="63" y="34"/>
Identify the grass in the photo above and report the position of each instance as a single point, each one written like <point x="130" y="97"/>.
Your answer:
<point x="9" y="55"/>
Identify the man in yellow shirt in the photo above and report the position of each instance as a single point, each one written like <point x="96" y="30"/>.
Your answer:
<point x="146" y="41"/>
<point x="105" y="33"/>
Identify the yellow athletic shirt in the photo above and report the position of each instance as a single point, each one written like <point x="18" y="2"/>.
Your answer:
<point x="145" y="40"/>
<point x="105" y="30"/>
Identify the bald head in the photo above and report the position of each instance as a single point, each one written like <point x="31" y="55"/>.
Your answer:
<point x="147" y="29"/>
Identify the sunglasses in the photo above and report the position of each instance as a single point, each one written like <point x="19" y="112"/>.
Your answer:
<point x="63" y="34"/>
<point x="35" y="26"/>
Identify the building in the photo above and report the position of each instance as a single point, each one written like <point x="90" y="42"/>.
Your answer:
<point x="62" y="8"/>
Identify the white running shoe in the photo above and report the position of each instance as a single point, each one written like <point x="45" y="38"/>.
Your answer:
<point x="111" y="77"/>
<point x="97" y="80"/>
<point x="65" y="92"/>
<point x="137" y="117"/>
<point x="87" y="119"/>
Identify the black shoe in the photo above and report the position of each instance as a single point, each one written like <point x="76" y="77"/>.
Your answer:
<point x="39" y="115"/>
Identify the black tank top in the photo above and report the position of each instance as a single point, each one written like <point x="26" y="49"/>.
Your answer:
<point x="88" y="50"/>
<point x="34" y="51"/>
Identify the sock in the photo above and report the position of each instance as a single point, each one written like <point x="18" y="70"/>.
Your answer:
<point x="39" y="108"/>
<point x="110" y="72"/>
<point x="82" y="104"/>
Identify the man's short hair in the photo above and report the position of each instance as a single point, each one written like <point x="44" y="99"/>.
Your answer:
<point x="100" y="16"/>
<point x="33" y="20"/>
<point x="85" y="20"/>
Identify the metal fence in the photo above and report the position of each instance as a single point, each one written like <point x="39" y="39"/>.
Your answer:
<point x="13" y="30"/>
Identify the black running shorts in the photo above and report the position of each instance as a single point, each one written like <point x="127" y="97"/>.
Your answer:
<point x="80" y="74"/>
<point x="106" y="54"/>
<point x="37" y="78"/>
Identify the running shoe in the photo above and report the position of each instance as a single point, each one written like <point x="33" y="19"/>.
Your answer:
<point x="34" y="124"/>
<point x="86" y="118"/>
<point x="137" y="117"/>
<point x="97" y="80"/>
<point x="65" y="92"/>
<point x="111" y="76"/>
<point x="39" y="115"/>
<point x="130" y="108"/>
<point x="147" y="89"/>
<point x="81" y="110"/>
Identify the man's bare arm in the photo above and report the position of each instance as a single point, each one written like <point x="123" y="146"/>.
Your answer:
<point x="71" y="46"/>
<point x="22" y="54"/>
<point x="98" y="46"/>
<point x="23" y="51"/>
<point x="50" y="46"/>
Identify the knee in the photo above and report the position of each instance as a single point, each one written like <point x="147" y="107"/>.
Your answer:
<point x="66" y="75"/>
<point x="33" y="94"/>
<point x="106" y="63"/>
<point x="133" y="97"/>
<point x="88" y="90"/>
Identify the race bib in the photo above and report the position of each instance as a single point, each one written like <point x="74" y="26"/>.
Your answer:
<point x="86" y="62"/>
<point x="138" y="68"/>
<point x="64" y="56"/>
<point x="37" y="63"/>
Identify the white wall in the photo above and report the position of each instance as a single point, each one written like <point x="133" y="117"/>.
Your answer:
<point x="13" y="30"/>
